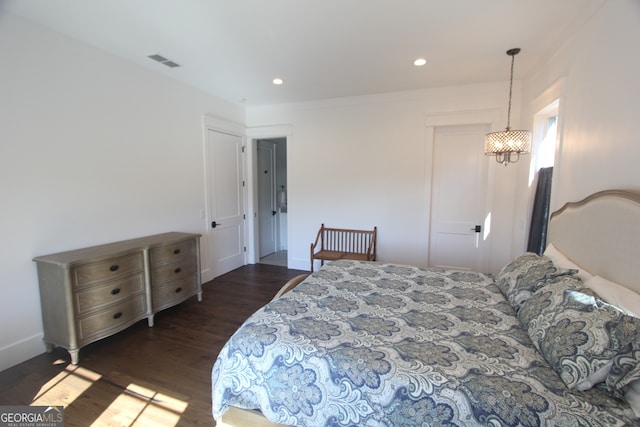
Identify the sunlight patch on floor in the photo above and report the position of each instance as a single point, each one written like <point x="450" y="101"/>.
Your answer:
<point x="65" y="387"/>
<point x="136" y="405"/>
<point x="140" y="406"/>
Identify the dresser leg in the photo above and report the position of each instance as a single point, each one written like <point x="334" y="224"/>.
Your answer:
<point x="49" y="347"/>
<point x="150" y="320"/>
<point x="75" y="356"/>
<point x="199" y="296"/>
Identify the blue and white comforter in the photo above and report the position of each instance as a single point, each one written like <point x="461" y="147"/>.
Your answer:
<point x="373" y="344"/>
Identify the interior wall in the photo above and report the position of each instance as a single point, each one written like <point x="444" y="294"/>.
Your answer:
<point x="598" y="69"/>
<point x="365" y="161"/>
<point x="94" y="149"/>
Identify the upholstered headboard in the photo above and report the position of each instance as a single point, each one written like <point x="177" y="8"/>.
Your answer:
<point x="601" y="233"/>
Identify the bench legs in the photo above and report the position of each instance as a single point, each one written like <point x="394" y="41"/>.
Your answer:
<point x="312" y="261"/>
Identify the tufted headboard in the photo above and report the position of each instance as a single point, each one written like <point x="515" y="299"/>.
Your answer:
<point x="601" y="233"/>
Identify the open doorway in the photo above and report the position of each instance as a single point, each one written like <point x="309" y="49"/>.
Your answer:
<point x="271" y="176"/>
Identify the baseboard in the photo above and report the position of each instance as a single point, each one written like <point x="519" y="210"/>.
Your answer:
<point x="299" y="264"/>
<point x="206" y="275"/>
<point x="20" y="351"/>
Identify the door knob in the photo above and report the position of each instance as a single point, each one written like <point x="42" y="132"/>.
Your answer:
<point x="477" y="229"/>
<point x="273" y="212"/>
<point x="214" y="224"/>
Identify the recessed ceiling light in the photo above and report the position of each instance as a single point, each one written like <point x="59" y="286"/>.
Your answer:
<point x="419" y="62"/>
<point x="278" y="81"/>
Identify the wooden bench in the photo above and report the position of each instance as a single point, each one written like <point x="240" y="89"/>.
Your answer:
<point x="338" y="243"/>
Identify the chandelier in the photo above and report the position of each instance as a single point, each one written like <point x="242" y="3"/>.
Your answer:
<point x="508" y="144"/>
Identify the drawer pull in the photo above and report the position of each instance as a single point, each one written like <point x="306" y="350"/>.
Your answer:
<point x="115" y="291"/>
<point x="177" y="270"/>
<point x="114" y="267"/>
<point x="117" y="315"/>
<point x="176" y="251"/>
<point x="178" y="290"/>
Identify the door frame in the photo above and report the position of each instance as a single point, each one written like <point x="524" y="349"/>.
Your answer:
<point x="490" y="117"/>
<point x="217" y="124"/>
<point x="253" y="134"/>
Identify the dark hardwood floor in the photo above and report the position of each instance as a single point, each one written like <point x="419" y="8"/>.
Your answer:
<point x="148" y="376"/>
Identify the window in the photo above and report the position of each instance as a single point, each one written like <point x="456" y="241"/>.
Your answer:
<point x="547" y="149"/>
<point x="545" y="136"/>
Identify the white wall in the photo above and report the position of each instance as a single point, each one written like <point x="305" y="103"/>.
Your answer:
<point x="93" y="149"/>
<point x="366" y="161"/>
<point x="598" y="71"/>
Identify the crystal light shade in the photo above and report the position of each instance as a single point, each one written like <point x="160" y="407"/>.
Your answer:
<point x="507" y="145"/>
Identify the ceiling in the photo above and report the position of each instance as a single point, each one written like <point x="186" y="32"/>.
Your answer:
<point x="322" y="49"/>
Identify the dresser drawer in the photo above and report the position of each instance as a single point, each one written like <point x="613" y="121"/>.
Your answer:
<point x="112" y="319"/>
<point x="172" y="253"/>
<point x="172" y="293"/>
<point x="94" y="297"/>
<point x="85" y="274"/>
<point x="163" y="273"/>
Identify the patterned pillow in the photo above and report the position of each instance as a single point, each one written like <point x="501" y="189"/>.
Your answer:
<point x="538" y="310"/>
<point x="526" y="274"/>
<point x="585" y="340"/>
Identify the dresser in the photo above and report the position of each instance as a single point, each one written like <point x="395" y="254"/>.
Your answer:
<point x="91" y="293"/>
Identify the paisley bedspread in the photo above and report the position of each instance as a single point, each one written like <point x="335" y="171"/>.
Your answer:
<point x="374" y="344"/>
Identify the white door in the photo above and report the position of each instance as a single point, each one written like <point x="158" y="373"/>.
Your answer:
<point x="226" y="200"/>
<point x="458" y="198"/>
<point x="266" y="197"/>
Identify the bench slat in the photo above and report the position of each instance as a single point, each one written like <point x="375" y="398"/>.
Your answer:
<point x="341" y="243"/>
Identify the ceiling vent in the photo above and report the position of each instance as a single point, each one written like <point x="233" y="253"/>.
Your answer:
<point x="161" y="59"/>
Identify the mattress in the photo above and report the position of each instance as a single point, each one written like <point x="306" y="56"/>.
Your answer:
<point x="378" y="344"/>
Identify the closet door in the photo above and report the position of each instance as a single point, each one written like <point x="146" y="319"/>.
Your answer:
<point x="458" y="237"/>
<point x="227" y="202"/>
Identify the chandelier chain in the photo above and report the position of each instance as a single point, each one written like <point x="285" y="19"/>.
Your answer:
<point x="513" y="57"/>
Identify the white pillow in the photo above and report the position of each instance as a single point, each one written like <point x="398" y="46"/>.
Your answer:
<point x="614" y="294"/>
<point x="598" y="377"/>
<point x="632" y="396"/>
<point x="560" y="260"/>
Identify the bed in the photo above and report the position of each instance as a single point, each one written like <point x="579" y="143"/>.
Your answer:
<point x="549" y="340"/>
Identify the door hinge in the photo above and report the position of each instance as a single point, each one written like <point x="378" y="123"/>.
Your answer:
<point x="244" y="216"/>
<point x="243" y="148"/>
<point x="243" y="183"/>
<point x="245" y="249"/>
